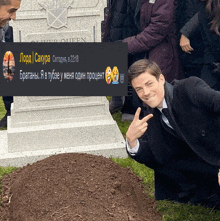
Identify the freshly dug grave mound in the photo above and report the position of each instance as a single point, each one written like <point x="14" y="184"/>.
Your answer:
<point x="75" y="186"/>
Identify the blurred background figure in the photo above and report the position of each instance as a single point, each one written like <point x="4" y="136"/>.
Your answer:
<point x="148" y="27"/>
<point x="8" y="100"/>
<point x="207" y="21"/>
<point x="191" y="62"/>
<point x="8" y="10"/>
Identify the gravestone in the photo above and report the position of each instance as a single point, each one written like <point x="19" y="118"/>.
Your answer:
<point x="59" y="21"/>
<point x="42" y="126"/>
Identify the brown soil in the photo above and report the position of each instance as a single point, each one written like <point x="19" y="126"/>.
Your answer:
<point x="75" y="187"/>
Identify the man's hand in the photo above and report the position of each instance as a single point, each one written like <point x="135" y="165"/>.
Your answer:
<point x="185" y="44"/>
<point x="137" y="128"/>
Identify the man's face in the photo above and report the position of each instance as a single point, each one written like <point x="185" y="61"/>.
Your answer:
<point x="149" y="89"/>
<point x="8" y="12"/>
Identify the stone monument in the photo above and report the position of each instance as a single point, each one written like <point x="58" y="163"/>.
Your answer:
<point x="42" y="126"/>
<point x="59" y="21"/>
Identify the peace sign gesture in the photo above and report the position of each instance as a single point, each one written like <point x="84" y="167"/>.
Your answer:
<point x="137" y="128"/>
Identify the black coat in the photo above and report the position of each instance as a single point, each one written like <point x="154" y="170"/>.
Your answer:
<point x="191" y="63"/>
<point x="120" y="22"/>
<point x="8" y="99"/>
<point x="9" y="35"/>
<point x="183" y="157"/>
<point x="211" y="52"/>
<point x="211" y="42"/>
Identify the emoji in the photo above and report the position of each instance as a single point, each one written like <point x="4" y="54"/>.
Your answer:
<point x="115" y="75"/>
<point x="108" y="75"/>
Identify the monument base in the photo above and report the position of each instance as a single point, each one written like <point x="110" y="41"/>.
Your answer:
<point x="19" y="159"/>
<point x="42" y="126"/>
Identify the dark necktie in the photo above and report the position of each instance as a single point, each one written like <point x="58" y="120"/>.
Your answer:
<point x="168" y="116"/>
<point x="172" y="122"/>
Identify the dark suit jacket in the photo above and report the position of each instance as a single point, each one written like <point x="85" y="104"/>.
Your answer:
<point x="195" y="108"/>
<point x="193" y="147"/>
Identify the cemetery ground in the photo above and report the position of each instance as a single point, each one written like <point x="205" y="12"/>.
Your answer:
<point x="108" y="196"/>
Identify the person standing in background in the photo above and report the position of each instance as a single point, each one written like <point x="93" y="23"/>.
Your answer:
<point x="148" y="27"/>
<point x="191" y="62"/>
<point x="208" y="22"/>
<point x="8" y="10"/>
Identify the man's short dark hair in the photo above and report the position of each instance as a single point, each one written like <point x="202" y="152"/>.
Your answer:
<point x="141" y="66"/>
<point x="5" y="2"/>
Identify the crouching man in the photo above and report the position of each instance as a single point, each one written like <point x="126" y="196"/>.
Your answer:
<point x="179" y="135"/>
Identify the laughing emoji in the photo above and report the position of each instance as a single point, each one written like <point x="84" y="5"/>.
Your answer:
<point x="108" y="75"/>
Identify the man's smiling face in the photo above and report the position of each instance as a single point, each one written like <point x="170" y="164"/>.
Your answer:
<point x="149" y="89"/>
<point x="8" y="12"/>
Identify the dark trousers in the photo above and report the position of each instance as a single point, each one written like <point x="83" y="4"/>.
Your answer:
<point x="7" y="102"/>
<point x="188" y="180"/>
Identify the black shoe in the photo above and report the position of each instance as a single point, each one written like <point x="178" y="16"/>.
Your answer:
<point x="115" y="104"/>
<point x="3" y="121"/>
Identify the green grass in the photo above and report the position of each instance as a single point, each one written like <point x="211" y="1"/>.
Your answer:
<point x="5" y="171"/>
<point x="169" y="211"/>
<point x="140" y="170"/>
<point x="2" y="108"/>
<point x="123" y="126"/>
<point x="175" y="211"/>
<point x="2" y="111"/>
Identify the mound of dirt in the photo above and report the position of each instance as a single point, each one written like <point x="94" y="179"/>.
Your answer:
<point x="75" y="187"/>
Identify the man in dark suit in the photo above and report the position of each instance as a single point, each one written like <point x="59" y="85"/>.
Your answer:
<point x="8" y="10"/>
<point x="180" y="135"/>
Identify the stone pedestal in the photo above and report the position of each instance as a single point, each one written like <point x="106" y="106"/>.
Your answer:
<point x="42" y="123"/>
<point x="42" y="126"/>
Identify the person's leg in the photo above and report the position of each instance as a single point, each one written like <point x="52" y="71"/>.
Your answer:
<point x="116" y="103"/>
<point x="132" y="102"/>
<point x="200" y="181"/>
<point x="7" y="102"/>
<point x="173" y="184"/>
